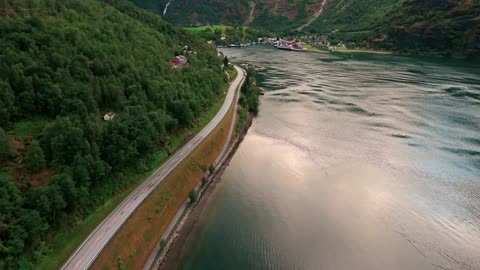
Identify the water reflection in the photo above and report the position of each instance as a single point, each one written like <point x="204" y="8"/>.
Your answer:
<point x="370" y="162"/>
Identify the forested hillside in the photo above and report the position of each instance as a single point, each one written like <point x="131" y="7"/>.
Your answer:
<point x="436" y="27"/>
<point x="445" y="27"/>
<point x="272" y="15"/>
<point x="352" y="15"/>
<point x="201" y="12"/>
<point x="63" y="65"/>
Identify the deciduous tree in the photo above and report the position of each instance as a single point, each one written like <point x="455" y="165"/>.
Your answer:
<point x="35" y="159"/>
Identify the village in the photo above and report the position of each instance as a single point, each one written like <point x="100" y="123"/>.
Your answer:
<point x="289" y="43"/>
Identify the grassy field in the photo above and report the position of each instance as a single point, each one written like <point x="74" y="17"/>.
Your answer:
<point x="27" y="128"/>
<point x="310" y="48"/>
<point x="69" y="237"/>
<point x="359" y="50"/>
<point x="144" y="229"/>
<point x="211" y="27"/>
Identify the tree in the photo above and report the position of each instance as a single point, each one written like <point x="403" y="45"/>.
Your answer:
<point x="10" y="198"/>
<point x="211" y="169"/>
<point x="182" y="112"/>
<point x="204" y="180"/>
<point x="193" y="196"/>
<point x="35" y="158"/>
<point x="6" y="149"/>
<point x="67" y="187"/>
<point x="7" y="107"/>
<point x="225" y="62"/>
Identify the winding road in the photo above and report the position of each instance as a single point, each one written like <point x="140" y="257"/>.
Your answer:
<point x="98" y="239"/>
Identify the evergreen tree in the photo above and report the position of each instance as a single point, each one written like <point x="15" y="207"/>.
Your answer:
<point x="35" y="158"/>
<point x="6" y="149"/>
<point x="7" y="107"/>
<point x="225" y="62"/>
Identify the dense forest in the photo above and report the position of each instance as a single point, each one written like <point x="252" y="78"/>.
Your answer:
<point x="440" y="27"/>
<point x="63" y="66"/>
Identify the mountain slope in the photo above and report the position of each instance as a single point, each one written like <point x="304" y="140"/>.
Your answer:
<point x="445" y="27"/>
<point x="275" y="15"/>
<point x="63" y="65"/>
<point x="354" y="15"/>
<point x="437" y="27"/>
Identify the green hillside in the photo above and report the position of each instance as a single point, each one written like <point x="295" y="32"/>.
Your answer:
<point x="63" y="65"/>
<point x="352" y="15"/>
<point x="435" y="27"/>
<point x="440" y="27"/>
<point x="199" y="12"/>
<point x="445" y="28"/>
<point x="271" y="15"/>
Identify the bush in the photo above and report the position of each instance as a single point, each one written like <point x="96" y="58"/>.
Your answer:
<point x="225" y="62"/>
<point x="163" y="244"/>
<point x="193" y="196"/>
<point x="204" y="180"/>
<point x="211" y="169"/>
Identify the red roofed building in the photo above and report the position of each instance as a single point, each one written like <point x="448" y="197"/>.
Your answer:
<point x="178" y="61"/>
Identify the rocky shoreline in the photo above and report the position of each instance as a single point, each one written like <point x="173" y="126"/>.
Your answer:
<point x="183" y="235"/>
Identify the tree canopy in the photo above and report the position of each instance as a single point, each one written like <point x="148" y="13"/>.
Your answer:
<point x="69" y="63"/>
<point x="35" y="158"/>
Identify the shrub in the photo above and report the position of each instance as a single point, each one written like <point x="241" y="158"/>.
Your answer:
<point x="193" y="196"/>
<point x="204" y="180"/>
<point x="211" y="169"/>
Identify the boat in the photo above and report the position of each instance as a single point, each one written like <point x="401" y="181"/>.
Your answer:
<point x="298" y="49"/>
<point x="284" y="46"/>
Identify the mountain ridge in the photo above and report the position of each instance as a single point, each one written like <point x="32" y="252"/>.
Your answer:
<point x="434" y="27"/>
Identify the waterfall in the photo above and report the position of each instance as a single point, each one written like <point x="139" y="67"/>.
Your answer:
<point x="166" y="7"/>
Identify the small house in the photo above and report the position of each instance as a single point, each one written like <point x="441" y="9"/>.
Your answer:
<point x="109" y="116"/>
<point x="178" y="61"/>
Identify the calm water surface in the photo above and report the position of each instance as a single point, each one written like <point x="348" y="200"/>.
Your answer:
<point x="370" y="162"/>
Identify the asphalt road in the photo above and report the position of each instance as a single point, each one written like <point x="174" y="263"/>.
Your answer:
<point x="98" y="239"/>
<point x="153" y="255"/>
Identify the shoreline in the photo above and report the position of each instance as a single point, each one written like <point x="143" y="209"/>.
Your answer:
<point x="365" y="51"/>
<point x="182" y="238"/>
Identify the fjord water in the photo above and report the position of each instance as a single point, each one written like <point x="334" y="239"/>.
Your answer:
<point x="362" y="162"/>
